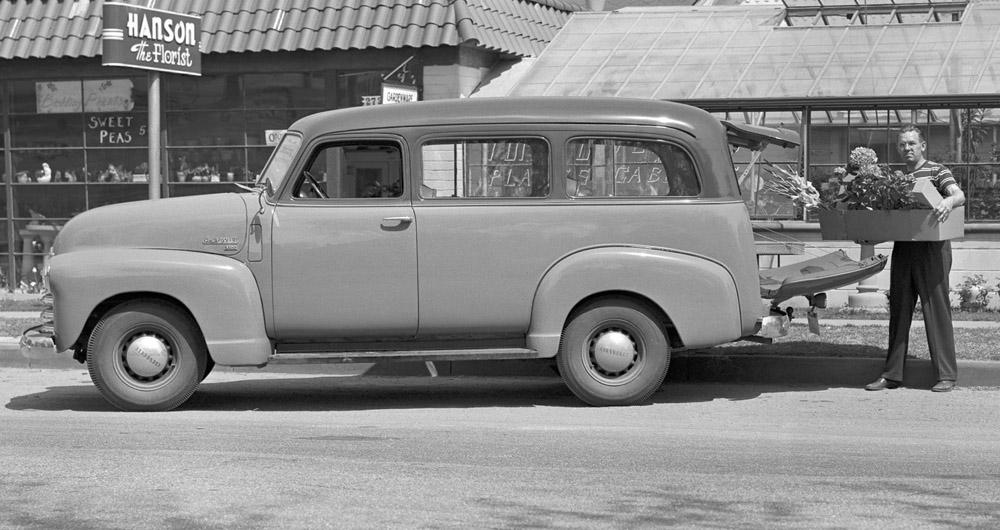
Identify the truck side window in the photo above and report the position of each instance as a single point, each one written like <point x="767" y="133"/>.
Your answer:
<point x="356" y="170"/>
<point x="628" y="168"/>
<point x="501" y="167"/>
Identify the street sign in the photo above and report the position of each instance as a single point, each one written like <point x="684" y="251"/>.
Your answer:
<point x="151" y="39"/>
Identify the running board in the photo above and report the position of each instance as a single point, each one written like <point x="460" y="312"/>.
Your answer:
<point x="492" y="354"/>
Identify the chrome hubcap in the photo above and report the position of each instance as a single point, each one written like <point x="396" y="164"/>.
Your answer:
<point x="613" y="352"/>
<point x="147" y="357"/>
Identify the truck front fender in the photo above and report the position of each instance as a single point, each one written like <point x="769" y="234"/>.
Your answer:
<point x="698" y="294"/>
<point x="219" y="292"/>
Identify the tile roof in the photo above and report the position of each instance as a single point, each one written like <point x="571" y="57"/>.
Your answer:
<point x="72" y="28"/>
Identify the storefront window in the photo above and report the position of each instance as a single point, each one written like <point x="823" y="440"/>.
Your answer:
<point x="355" y="89"/>
<point x="199" y="165"/>
<point x="205" y="128"/>
<point x="46" y="130"/>
<point x="207" y="92"/>
<point x="264" y="123"/>
<point x="48" y="166"/>
<point x="288" y="90"/>
<point x="117" y="165"/>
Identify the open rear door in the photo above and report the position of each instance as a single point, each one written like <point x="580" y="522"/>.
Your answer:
<point x="810" y="277"/>
<point x="756" y="137"/>
<point x="820" y="274"/>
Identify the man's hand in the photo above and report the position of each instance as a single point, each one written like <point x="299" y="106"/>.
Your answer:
<point x="944" y="208"/>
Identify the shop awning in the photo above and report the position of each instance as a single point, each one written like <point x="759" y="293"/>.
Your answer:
<point x="53" y="29"/>
<point x="751" y="53"/>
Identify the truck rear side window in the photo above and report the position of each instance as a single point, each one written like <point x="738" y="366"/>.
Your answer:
<point x="629" y="168"/>
<point x="504" y="167"/>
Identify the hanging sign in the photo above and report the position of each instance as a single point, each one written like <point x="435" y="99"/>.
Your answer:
<point x="151" y="39"/>
<point x="398" y="94"/>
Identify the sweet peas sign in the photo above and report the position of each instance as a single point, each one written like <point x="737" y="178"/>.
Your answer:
<point x="151" y="39"/>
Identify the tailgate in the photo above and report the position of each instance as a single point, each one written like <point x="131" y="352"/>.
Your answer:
<point x="816" y="275"/>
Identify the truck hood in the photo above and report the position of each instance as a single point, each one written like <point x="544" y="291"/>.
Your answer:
<point x="215" y="223"/>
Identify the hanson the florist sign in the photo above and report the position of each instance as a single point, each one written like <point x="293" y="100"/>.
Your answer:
<point x="151" y="39"/>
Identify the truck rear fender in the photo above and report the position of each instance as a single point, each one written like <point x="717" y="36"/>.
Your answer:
<point x="696" y="294"/>
<point x="219" y="292"/>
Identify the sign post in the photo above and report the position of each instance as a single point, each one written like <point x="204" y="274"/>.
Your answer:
<point x="154" y="40"/>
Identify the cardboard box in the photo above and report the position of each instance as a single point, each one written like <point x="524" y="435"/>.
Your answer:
<point x="890" y="225"/>
<point x="832" y="226"/>
<point x="925" y="193"/>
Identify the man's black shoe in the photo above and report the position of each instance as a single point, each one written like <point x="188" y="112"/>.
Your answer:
<point x="943" y="386"/>
<point x="883" y="383"/>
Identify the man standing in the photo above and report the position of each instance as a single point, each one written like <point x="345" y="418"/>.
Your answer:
<point x="921" y="269"/>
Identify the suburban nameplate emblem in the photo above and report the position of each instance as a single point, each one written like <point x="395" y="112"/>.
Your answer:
<point x="220" y="241"/>
<point x="229" y="243"/>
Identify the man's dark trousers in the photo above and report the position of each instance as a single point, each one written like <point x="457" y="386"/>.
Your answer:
<point x="921" y="268"/>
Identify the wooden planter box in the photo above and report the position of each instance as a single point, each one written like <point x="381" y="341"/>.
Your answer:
<point x="890" y="225"/>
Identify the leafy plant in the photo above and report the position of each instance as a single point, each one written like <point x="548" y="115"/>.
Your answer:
<point x="974" y="292"/>
<point x="868" y="186"/>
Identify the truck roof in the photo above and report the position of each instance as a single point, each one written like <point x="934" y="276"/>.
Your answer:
<point x="533" y="110"/>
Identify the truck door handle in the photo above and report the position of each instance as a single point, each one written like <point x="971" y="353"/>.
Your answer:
<point x="399" y="220"/>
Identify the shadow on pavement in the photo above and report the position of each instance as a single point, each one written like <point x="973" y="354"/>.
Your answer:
<point x="379" y="393"/>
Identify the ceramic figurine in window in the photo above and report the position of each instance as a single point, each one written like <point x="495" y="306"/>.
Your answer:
<point x="46" y="175"/>
<point x="70" y="176"/>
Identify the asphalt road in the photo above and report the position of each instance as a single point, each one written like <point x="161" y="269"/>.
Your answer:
<point x="294" y="451"/>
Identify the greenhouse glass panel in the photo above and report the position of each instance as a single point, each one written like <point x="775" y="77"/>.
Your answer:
<point x="639" y="41"/>
<point x="659" y="58"/>
<point x="600" y="44"/>
<point x="584" y="25"/>
<point x="562" y="89"/>
<point x="652" y="23"/>
<point x="937" y="132"/>
<point x="913" y="18"/>
<point x="676" y="89"/>
<point x="962" y="69"/>
<point x="568" y="41"/>
<point x="839" y="3"/>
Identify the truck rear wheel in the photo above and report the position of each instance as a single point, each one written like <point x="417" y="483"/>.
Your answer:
<point x="146" y="356"/>
<point x="614" y="352"/>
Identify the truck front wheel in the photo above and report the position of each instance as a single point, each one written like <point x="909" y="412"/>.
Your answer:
<point x="614" y="352"/>
<point x="146" y="356"/>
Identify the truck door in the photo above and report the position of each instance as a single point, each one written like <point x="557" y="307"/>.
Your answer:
<point x="344" y="246"/>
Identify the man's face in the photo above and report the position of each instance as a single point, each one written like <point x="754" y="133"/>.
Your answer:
<point x="910" y="147"/>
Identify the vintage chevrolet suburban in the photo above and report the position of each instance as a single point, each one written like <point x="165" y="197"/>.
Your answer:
<point x="602" y="234"/>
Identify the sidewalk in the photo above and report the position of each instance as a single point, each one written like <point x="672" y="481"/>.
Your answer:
<point x="684" y="367"/>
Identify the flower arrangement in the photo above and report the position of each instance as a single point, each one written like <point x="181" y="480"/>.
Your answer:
<point x="868" y="186"/>
<point x="862" y="185"/>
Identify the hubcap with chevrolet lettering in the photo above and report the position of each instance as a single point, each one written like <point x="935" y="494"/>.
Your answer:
<point x="613" y="351"/>
<point x="147" y="357"/>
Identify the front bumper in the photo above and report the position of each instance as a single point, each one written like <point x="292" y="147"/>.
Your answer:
<point x="37" y="341"/>
<point x="36" y="344"/>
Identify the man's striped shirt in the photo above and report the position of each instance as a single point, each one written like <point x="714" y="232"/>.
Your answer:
<point x="939" y="175"/>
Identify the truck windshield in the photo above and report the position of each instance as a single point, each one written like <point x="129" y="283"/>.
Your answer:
<point x="280" y="163"/>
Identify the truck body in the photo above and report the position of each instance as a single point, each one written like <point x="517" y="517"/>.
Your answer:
<point x="598" y="234"/>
